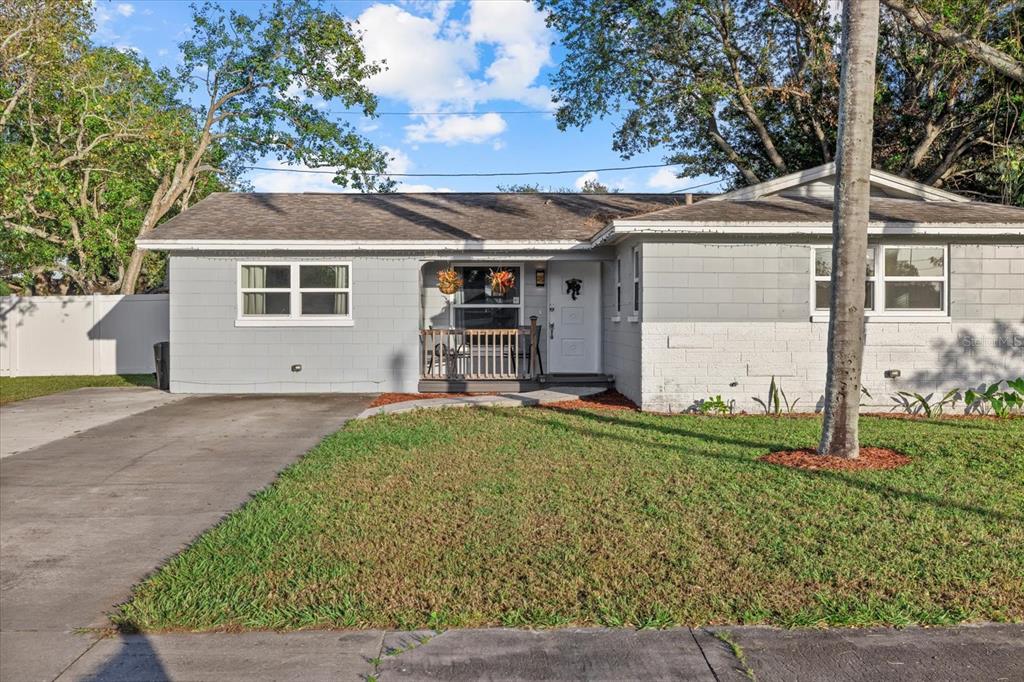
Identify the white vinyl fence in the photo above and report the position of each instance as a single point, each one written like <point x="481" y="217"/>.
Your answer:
<point x="59" y="335"/>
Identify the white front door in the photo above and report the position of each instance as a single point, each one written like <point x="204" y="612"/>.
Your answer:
<point x="574" y="317"/>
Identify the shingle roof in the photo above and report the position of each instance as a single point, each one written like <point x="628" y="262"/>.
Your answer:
<point x="405" y="217"/>
<point x="782" y="209"/>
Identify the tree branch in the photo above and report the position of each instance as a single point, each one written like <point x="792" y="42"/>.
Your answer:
<point x="933" y="28"/>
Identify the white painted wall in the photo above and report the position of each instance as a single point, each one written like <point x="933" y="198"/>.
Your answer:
<point x="62" y="335"/>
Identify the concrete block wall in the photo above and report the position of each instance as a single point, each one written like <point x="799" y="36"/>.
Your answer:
<point x="209" y="354"/>
<point x="691" y="351"/>
<point x="621" y="348"/>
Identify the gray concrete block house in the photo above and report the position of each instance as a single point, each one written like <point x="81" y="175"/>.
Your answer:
<point x="671" y="300"/>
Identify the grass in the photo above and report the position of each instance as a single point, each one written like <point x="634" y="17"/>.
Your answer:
<point x="13" y="389"/>
<point x="538" y="517"/>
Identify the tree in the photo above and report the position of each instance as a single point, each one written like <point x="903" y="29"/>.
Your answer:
<point x="839" y="436"/>
<point x="978" y="49"/>
<point x="257" y="75"/>
<point x="748" y="89"/>
<point x="132" y="146"/>
<point x="80" y="123"/>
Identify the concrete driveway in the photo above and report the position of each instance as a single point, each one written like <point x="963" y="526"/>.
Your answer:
<point x="85" y="517"/>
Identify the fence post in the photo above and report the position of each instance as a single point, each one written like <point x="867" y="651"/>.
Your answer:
<point x="533" y="346"/>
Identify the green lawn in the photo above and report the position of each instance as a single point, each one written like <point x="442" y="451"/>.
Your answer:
<point x="535" y="517"/>
<point x="21" y="388"/>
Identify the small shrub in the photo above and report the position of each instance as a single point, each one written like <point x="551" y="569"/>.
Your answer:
<point x="715" y="405"/>
<point x="915" y="403"/>
<point x="776" y="399"/>
<point x="1000" y="403"/>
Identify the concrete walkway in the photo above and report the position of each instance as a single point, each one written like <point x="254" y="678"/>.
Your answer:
<point x="525" y="399"/>
<point x="989" y="652"/>
<point x="84" y="518"/>
<point x="31" y="423"/>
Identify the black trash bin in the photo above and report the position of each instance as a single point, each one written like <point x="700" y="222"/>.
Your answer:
<point x="162" y="362"/>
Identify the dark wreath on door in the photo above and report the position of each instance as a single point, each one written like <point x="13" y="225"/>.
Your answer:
<point x="573" y="287"/>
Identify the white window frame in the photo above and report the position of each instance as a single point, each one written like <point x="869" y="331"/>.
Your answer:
<point x="521" y="266"/>
<point x="294" y="318"/>
<point x="880" y="312"/>
<point x="618" y="290"/>
<point x="637" y="285"/>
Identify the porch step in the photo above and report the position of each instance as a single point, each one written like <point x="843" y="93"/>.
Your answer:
<point x="577" y="380"/>
<point x="515" y="385"/>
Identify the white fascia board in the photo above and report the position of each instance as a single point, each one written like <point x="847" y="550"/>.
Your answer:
<point x="628" y="227"/>
<point x="356" y="245"/>
<point x="777" y="184"/>
<point x="877" y="177"/>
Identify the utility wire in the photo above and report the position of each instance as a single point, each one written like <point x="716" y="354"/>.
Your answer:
<point x="443" y="113"/>
<point x="471" y="175"/>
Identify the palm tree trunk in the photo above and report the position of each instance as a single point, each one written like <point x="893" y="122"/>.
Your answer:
<point x="839" y="435"/>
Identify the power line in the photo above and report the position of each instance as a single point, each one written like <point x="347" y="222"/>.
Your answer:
<point x="687" y="189"/>
<point x="444" y="113"/>
<point x="472" y="175"/>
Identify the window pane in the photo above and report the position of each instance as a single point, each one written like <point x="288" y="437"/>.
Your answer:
<point x="477" y="287"/>
<point x="823" y="262"/>
<point x="265" y="304"/>
<point x="323" y="276"/>
<point x="906" y="261"/>
<point x="266" y="276"/>
<point x="913" y="295"/>
<point x="325" y="303"/>
<point x="486" y="318"/>
<point x="823" y="290"/>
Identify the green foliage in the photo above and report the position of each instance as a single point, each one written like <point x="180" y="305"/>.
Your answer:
<point x="98" y="148"/>
<point x="775" y="400"/>
<point x="715" y="405"/>
<point x="748" y="89"/>
<point x="533" y="517"/>
<point x="916" y="403"/>
<point x="1001" y="403"/>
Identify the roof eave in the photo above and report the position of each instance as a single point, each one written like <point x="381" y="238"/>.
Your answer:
<point x="356" y="245"/>
<point x="624" y="228"/>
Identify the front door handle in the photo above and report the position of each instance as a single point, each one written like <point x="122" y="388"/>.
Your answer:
<point x="551" y="325"/>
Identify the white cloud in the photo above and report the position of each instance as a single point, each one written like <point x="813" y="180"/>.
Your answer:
<point x="277" y="181"/>
<point x="423" y="67"/>
<point x="522" y="45"/>
<point x="125" y="9"/>
<point x="433" y="63"/>
<point x="452" y="130"/>
<point x="405" y="188"/>
<point x="272" y="181"/>
<point x="665" y="179"/>
<point x="585" y="178"/>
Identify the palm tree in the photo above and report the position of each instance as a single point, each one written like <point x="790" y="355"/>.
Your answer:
<point x="839" y="436"/>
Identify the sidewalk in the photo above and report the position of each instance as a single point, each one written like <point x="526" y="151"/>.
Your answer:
<point x="979" y="652"/>
<point x="524" y="399"/>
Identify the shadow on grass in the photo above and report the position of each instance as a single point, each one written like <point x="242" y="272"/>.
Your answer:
<point x="764" y="447"/>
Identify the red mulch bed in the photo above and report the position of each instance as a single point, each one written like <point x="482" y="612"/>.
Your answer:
<point x="389" y="398"/>
<point x="608" y="400"/>
<point x="870" y="458"/>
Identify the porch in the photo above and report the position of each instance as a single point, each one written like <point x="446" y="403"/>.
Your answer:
<point x="491" y="360"/>
<point x="485" y="339"/>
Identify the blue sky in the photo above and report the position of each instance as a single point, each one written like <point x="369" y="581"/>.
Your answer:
<point x="475" y="56"/>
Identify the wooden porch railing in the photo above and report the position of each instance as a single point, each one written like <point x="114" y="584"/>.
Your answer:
<point x="457" y="354"/>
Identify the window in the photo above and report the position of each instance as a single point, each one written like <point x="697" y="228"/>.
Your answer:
<point x="618" y="286"/>
<point x="823" y="279"/>
<point x="311" y="294"/>
<point x="636" y="280"/>
<point x="476" y="306"/>
<point x="909" y="280"/>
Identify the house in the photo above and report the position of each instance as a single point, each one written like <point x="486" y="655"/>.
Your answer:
<point x="672" y="300"/>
